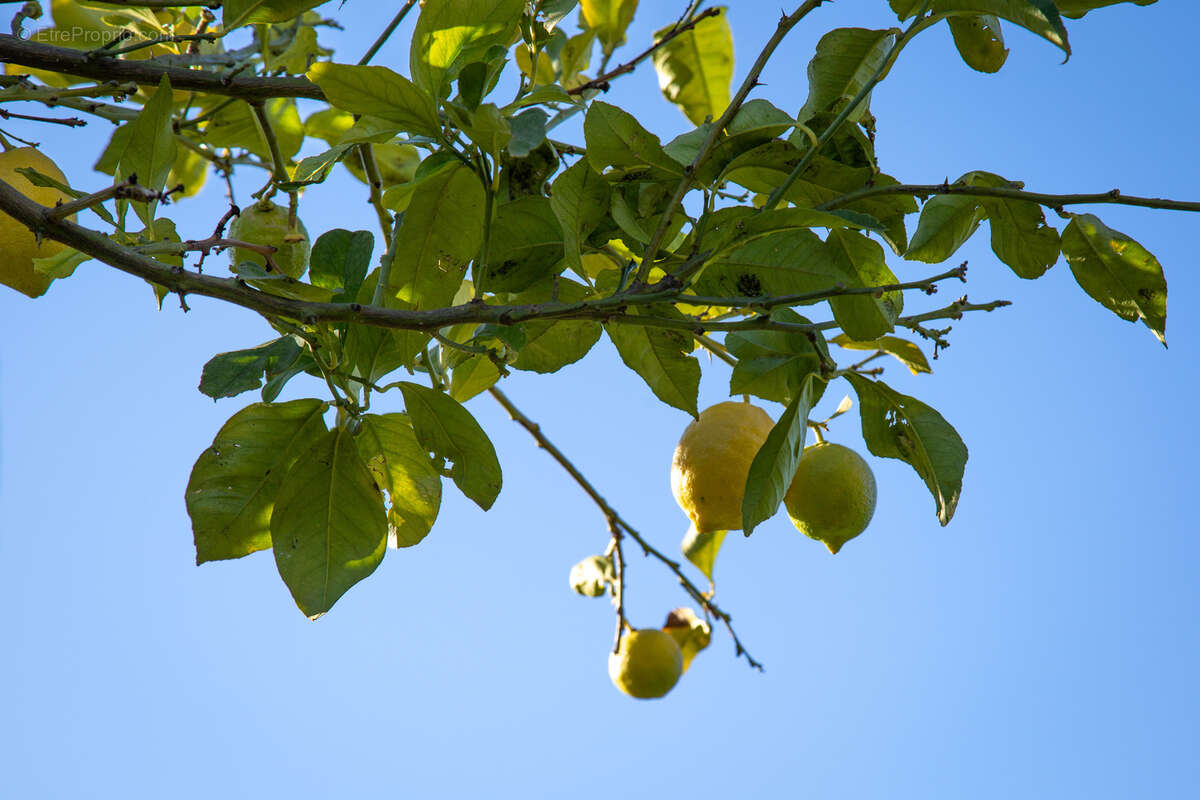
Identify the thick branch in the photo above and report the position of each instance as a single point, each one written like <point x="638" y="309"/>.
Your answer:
<point x="614" y="519"/>
<point x="74" y="62"/>
<point x="1113" y="196"/>
<point x="606" y="309"/>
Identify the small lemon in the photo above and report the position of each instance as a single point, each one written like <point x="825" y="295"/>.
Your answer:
<point x="267" y="223"/>
<point x="591" y="576"/>
<point x="648" y="664"/>
<point x="18" y="245"/>
<point x="712" y="461"/>
<point x="832" y="496"/>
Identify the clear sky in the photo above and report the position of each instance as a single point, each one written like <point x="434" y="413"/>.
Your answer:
<point x="1043" y="645"/>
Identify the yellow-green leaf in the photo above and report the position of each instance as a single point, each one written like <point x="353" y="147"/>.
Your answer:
<point x="695" y="69"/>
<point x="328" y="529"/>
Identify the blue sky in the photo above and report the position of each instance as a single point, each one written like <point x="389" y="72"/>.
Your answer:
<point x="1043" y="645"/>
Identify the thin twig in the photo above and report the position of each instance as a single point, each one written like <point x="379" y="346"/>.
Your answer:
<point x="72" y="122"/>
<point x="383" y="37"/>
<point x="781" y="31"/>
<point x="614" y="519"/>
<point x="1113" y="196"/>
<point x="128" y="189"/>
<point x="918" y="24"/>
<point x="601" y="82"/>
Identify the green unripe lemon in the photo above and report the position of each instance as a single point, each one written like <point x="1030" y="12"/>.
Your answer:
<point x="648" y="664"/>
<point x="832" y="496"/>
<point x="266" y="223"/>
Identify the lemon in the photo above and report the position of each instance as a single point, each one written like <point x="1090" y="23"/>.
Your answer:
<point x="267" y="223"/>
<point x="712" y="461"/>
<point x="591" y="576"/>
<point x="648" y="664"/>
<point x="18" y="245"/>
<point x="832" y="496"/>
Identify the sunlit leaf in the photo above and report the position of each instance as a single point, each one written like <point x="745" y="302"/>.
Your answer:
<point x="233" y="486"/>
<point x="1117" y="272"/>
<point x="695" y="68"/>
<point x="447" y="429"/>
<point x="328" y="529"/>
<point x="901" y="427"/>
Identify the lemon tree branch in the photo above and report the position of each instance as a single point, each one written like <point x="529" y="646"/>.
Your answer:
<point x="620" y="527"/>
<point x="24" y="53"/>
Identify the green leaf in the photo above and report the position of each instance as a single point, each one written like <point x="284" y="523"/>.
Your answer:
<point x="1077" y="8"/>
<point x="695" y="69"/>
<point x="947" y="222"/>
<point x="489" y="129"/>
<point x="788" y="262"/>
<point x="550" y="346"/>
<point x="380" y="92"/>
<point x="765" y="167"/>
<point x="609" y="19"/>
<point x="845" y="61"/>
<point x="150" y="151"/>
<point x="236" y="13"/>
<point x="400" y="465"/>
<point x="1117" y="272"/>
<point x="339" y="262"/>
<point x="60" y="265"/>
<point x="472" y="376"/>
<point x="774" y="466"/>
<point x="1037" y="16"/>
<point x="232" y="489"/>
<point x="901" y="427"/>
<point x="526" y="245"/>
<point x="660" y="357"/>
<point x="230" y="374"/>
<point x="864" y="316"/>
<point x="771" y="364"/>
<point x="1020" y="236"/>
<point x="452" y="33"/>
<point x="616" y="139"/>
<point x="980" y="41"/>
<point x="236" y="126"/>
<point x="439" y="235"/>
<point x="528" y="132"/>
<point x="701" y="549"/>
<point x="447" y="429"/>
<point x="903" y="350"/>
<point x="579" y="198"/>
<point x="329" y="529"/>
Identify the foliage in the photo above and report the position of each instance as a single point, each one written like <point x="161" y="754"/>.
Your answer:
<point x="504" y="248"/>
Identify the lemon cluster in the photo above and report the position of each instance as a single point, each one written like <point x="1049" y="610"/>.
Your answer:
<point x="831" y="497"/>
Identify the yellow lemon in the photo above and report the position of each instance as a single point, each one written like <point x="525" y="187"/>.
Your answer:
<point x="648" y="664"/>
<point x="832" y="496"/>
<point x="712" y="461"/>
<point x="18" y="246"/>
<point x="267" y="223"/>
